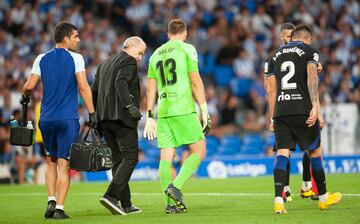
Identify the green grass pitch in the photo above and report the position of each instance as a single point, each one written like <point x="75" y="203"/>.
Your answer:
<point x="236" y="200"/>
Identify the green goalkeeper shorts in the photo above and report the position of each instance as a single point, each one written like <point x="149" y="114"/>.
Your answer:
<point x="178" y="130"/>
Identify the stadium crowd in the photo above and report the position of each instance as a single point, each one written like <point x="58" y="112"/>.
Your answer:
<point x="233" y="38"/>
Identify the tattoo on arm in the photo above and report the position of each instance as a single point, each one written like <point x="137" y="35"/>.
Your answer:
<point x="312" y="83"/>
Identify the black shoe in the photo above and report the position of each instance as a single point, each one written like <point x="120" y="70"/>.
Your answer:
<point x="177" y="196"/>
<point x="315" y="197"/>
<point x="60" y="214"/>
<point x="132" y="209"/>
<point x="50" y="210"/>
<point x="171" y="209"/>
<point x="112" y="205"/>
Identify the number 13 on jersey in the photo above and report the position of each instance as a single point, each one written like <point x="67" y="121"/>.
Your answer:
<point x="168" y="76"/>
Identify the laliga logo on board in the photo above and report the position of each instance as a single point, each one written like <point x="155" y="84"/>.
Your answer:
<point x="217" y="170"/>
<point x="283" y="97"/>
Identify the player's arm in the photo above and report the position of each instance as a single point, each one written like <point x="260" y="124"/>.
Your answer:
<point x="151" y="96"/>
<point x="83" y="85"/>
<point x="321" y="118"/>
<point x="31" y="82"/>
<point x="312" y="83"/>
<point x="198" y="90"/>
<point x="197" y="86"/>
<point x="271" y="93"/>
<point x="85" y="90"/>
<point x="150" y="125"/>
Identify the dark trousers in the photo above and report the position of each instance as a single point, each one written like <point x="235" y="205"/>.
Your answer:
<point x="123" y="142"/>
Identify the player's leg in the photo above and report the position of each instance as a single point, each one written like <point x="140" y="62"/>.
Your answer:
<point x="188" y="168"/>
<point x="284" y="142"/>
<point x="187" y="130"/>
<point x="281" y="161"/>
<point x="306" y="187"/>
<point x="67" y="133"/>
<point x="167" y="144"/>
<point x="287" y="191"/>
<point x="326" y="200"/>
<point x="166" y="157"/>
<point x="62" y="187"/>
<point x="49" y="136"/>
<point x="309" y="138"/>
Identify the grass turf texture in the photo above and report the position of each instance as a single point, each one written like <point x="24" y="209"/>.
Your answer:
<point x="253" y="203"/>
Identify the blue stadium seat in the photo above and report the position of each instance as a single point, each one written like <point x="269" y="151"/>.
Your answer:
<point x="227" y="150"/>
<point x="269" y="140"/>
<point x="230" y="145"/>
<point x="206" y="63"/>
<point x="240" y="87"/>
<point x="212" y="144"/>
<point x="144" y="144"/>
<point x="252" y="144"/>
<point x="223" y="75"/>
<point x="152" y="153"/>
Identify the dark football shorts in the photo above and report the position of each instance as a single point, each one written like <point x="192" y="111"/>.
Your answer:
<point x="292" y="130"/>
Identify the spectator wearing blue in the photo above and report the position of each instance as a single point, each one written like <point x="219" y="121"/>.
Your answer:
<point x="62" y="73"/>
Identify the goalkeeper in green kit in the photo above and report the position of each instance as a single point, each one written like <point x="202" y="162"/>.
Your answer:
<point x="173" y="73"/>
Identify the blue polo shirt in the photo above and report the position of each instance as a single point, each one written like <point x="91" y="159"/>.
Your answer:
<point x="57" y="69"/>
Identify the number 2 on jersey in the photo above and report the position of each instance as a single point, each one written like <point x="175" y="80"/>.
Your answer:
<point x="172" y="71"/>
<point x="285" y="80"/>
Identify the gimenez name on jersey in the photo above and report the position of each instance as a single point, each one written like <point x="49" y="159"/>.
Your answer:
<point x="292" y="96"/>
<point x="297" y="50"/>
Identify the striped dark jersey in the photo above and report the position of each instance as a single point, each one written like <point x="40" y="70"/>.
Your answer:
<point x="289" y="65"/>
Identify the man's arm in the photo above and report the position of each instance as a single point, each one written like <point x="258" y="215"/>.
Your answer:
<point x="124" y="75"/>
<point x="85" y="91"/>
<point x="95" y="87"/>
<point x="151" y="95"/>
<point x="30" y="84"/>
<point x="312" y="83"/>
<point x="150" y="125"/>
<point x="197" y="87"/>
<point x="271" y="94"/>
<point x="199" y="94"/>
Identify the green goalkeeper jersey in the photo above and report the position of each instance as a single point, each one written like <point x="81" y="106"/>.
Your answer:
<point x="170" y="65"/>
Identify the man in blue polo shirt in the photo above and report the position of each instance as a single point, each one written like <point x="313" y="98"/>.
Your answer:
<point x="63" y="75"/>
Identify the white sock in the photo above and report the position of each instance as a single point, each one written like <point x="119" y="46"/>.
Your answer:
<point x="287" y="188"/>
<point x="323" y="198"/>
<point x="61" y="207"/>
<point x="279" y="200"/>
<point x="306" y="185"/>
<point x="51" y="198"/>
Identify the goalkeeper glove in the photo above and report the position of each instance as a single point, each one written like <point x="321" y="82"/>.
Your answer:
<point x="150" y="126"/>
<point x="205" y="117"/>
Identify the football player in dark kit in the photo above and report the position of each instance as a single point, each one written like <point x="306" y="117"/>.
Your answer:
<point x="306" y="191"/>
<point x="293" y="105"/>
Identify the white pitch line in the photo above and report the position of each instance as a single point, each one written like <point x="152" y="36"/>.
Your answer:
<point x="159" y="194"/>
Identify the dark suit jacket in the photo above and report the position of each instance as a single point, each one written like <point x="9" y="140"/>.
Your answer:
<point x="116" y="86"/>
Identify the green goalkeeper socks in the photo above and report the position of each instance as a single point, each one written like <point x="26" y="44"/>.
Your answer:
<point x="165" y="178"/>
<point x="188" y="168"/>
